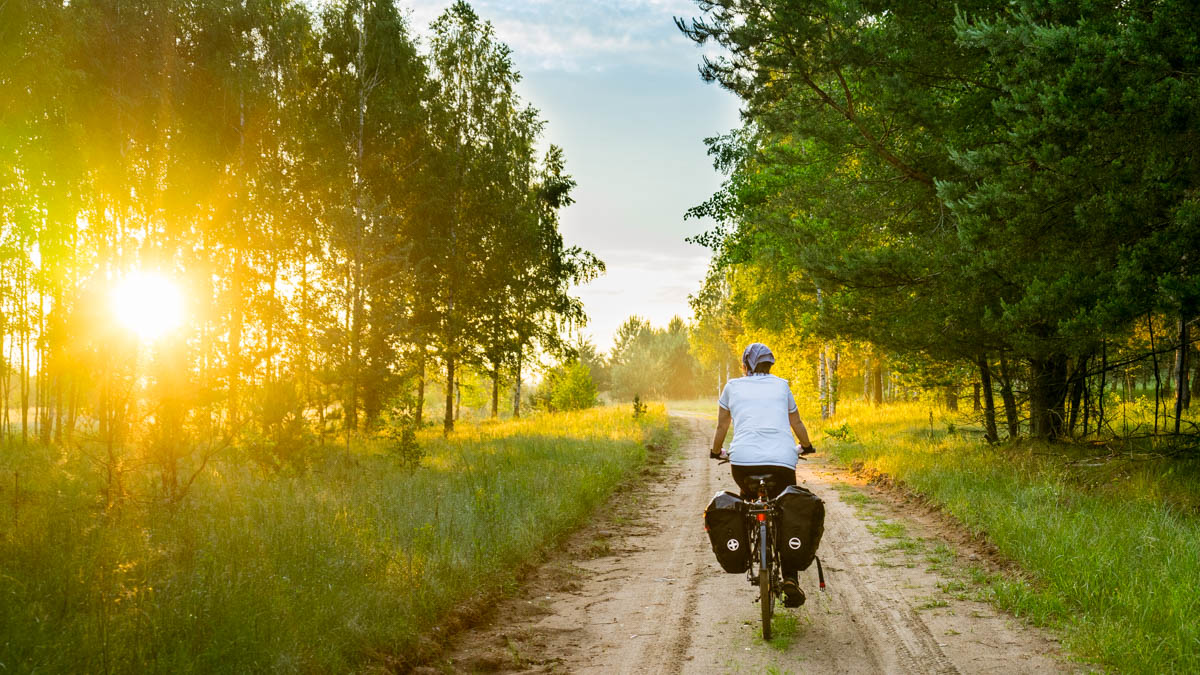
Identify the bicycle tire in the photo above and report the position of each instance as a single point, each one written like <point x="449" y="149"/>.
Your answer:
<point x="766" y="596"/>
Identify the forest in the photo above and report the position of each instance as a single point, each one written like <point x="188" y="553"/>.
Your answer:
<point x="249" y="253"/>
<point x="348" y="218"/>
<point x="997" y="197"/>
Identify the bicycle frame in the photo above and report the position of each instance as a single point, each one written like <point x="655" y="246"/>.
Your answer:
<point x="765" y="571"/>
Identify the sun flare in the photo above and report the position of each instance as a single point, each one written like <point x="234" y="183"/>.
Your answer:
<point x="147" y="304"/>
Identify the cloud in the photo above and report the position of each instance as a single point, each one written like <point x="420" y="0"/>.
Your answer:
<point x="652" y="285"/>
<point x="578" y="35"/>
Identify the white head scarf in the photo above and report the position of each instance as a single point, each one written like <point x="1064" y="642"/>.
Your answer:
<point x="756" y="353"/>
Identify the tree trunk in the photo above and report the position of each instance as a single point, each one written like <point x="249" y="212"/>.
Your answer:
<point x="496" y="393"/>
<point x="1078" y="378"/>
<point x="1195" y="390"/>
<point x="832" y="382"/>
<point x="421" y="388"/>
<point x="975" y="397"/>
<point x="1103" y="386"/>
<point x="952" y="397"/>
<point x="989" y="403"/>
<point x="235" y="341"/>
<point x="1087" y="402"/>
<point x="1157" y="376"/>
<point x="24" y="385"/>
<point x="355" y="361"/>
<point x="60" y="406"/>
<point x="1011" y="414"/>
<point x="877" y="377"/>
<point x="1182" y="393"/>
<point x="448" y="420"/>
<point x="1047" y="396"/>
<point x="40" y="389"/>
<point x="517" y="386"/>
<point x="823" y="384"/>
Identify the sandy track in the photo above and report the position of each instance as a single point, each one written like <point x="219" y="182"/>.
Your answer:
<point x="640" y="592"/>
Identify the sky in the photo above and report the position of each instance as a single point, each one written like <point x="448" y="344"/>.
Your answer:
<point x="618" y="87"/>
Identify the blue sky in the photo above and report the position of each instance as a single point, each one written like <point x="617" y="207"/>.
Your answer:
<point x="618" y="86"/>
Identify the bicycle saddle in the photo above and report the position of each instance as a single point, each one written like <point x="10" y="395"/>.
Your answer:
<point x="767" y="480"/>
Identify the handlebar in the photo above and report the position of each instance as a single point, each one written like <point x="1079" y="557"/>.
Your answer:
<point x="723" y="458"/>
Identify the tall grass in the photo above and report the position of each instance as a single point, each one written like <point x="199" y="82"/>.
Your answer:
<point x="1111" y="545"/>
<point x="341" y="567"/>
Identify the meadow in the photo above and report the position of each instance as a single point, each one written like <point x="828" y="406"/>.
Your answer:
<point x="1107" y="538"/>
<point x="347" y="564"/>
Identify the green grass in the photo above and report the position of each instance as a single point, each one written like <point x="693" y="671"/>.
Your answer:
<point x="1111" y="548"/>
<point x="785" y="627"/>
<point x="343" y="567"/>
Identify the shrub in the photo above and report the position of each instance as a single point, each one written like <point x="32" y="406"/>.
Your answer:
<point x="568" y="386"/>
<point x="399" y="434"/>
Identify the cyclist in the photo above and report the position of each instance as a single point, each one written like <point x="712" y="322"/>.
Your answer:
<point x="764" y="416"/>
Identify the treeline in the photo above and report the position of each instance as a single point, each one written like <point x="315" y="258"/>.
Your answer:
<point x="1004" y="189"/>
<point x="644" y="362"/>
<point x="349" y="212"/>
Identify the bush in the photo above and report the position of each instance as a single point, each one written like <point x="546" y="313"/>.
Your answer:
<point x="399" y="435"/>
<point x="568" y="386"/>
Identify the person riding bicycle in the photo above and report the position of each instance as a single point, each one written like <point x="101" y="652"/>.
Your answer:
<point x="764" y="416"/>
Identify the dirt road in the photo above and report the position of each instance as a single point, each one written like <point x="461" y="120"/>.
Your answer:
<point x="640" y="592"/>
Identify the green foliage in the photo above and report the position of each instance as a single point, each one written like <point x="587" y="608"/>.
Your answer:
<point x="652" y="361"/>
<point x="568" y="386"/>
<point x="284" y="439"/>
<point x="399" y="434"/>
<point x="639" y="408"/>
<point x="841" y="432"/>
<point x="345" y="212"/>
<point x="955" y="182"/>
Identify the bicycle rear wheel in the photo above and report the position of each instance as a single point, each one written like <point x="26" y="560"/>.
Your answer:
<point x="766" y="597"/>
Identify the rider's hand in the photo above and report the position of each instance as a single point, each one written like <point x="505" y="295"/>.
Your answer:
<point x="721" y="455"/>
<point x="800" y="449"/>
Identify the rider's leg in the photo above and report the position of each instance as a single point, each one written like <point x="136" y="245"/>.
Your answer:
<point x="792" y="595"/>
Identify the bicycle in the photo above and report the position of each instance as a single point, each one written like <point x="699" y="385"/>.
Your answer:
<point x="765" y="570"/>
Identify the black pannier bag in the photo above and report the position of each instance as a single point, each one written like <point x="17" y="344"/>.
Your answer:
<point x="724" y="520"/>
<point x="801" y="524"/>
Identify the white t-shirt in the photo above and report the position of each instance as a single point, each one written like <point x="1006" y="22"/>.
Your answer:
<point x="760" y="405"/>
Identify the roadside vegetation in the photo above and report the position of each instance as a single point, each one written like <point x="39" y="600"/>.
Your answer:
<point x="937" y="208"/>
<point x="1108" y="539"/>
<point x="345" y="562"/>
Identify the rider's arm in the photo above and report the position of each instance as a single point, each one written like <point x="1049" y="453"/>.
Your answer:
<point x="723" y="420"/>
<point x="798" y="429"/>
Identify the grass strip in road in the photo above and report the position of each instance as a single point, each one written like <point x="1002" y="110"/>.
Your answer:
<point x="340" y="567"/>
<point x="1112" y="554"/>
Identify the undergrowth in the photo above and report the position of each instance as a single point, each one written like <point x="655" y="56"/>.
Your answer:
<point x="343" y="566"/>
<point x="1111" y="546"/>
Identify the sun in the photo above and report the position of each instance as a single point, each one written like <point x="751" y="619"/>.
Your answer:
<point x="147" y="304"/>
